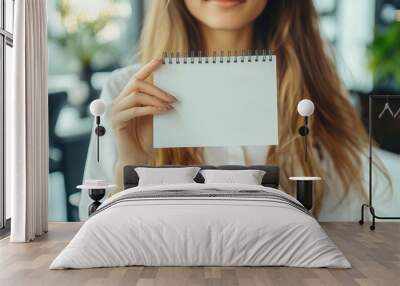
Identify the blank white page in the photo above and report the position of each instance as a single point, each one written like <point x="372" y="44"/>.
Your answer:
<point x="221" y="104"/>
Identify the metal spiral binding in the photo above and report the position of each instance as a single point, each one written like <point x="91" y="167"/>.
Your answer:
<point x="171" y="55"/>
<point x="164" y="56"/>
<point x="192" y="57"/>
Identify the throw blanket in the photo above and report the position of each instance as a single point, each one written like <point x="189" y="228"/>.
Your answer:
<point x="204" y="194"/>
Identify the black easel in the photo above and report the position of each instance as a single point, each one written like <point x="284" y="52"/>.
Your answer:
<point x="370" y="205"/>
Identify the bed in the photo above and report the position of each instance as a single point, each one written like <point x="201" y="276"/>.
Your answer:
<point x="198" y="224"/>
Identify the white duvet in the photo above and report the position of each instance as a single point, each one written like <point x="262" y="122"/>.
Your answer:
<point x="200" y="231"/>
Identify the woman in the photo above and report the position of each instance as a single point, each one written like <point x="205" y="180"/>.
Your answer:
<point x="290" y="29"/>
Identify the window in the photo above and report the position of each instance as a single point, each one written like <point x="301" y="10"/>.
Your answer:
<point x="6" y="44"/>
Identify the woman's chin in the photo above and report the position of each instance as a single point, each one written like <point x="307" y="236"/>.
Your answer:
<point x="219" y="24"/>
<point x="225" y="14"/>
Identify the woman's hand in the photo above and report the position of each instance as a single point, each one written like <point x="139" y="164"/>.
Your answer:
<point x="132" y="113"/>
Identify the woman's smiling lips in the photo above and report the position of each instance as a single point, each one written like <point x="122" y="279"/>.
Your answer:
<point x="227" y="3"/>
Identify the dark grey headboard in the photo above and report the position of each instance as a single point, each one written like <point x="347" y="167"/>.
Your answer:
<point x="270" y="179"/>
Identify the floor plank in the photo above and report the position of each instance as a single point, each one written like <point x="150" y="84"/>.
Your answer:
<point x="374" y="255"/>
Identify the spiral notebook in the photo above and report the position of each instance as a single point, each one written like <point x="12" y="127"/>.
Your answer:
<point x="222" y="101"/>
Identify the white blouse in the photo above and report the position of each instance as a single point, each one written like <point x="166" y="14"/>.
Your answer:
<point x="333" y="208"/>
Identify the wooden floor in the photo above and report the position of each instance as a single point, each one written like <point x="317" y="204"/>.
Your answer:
<point x="375" y="257"/>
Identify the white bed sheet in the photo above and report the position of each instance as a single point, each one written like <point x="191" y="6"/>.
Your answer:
<point x="200" y="232"/>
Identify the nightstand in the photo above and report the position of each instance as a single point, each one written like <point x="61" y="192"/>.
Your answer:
<point x="304" y="192"/>
<point x="96" y="190"/>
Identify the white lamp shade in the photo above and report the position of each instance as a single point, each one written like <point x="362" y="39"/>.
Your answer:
<point x="305" y="107"/>
<point x="98" y="107"/>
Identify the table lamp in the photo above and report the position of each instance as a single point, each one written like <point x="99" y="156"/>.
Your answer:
<point x="305" y="108"/>
<point x="98" y="107"/>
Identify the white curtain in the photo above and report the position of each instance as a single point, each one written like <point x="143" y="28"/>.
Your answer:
<point x="27" y="121"/>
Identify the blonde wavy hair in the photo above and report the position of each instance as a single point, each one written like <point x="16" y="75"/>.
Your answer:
<point x="291" y="29"/>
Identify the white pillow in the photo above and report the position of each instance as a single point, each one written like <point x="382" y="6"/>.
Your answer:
<point x="165" y="176"/>
<point x="248" y="177"/>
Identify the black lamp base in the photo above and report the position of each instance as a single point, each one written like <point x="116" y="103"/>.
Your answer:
<point x="100" y="130"/>
<point x="303" y="131"/>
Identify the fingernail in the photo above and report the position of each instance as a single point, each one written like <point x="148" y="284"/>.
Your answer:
<point x="173" y="98"/>
<point x="165" y="108"/>
<point x="170" y="107"/>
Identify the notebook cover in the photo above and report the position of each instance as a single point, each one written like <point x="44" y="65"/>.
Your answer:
<point x="219" y="104"/>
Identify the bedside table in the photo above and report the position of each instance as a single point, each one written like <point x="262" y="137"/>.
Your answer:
<point x="96" y="195"/>
<point x="304" y="192"/>
<point x="96" y="190"/>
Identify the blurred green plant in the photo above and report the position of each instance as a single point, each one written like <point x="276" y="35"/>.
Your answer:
<point x="384" y="56"/>
<point x="88" y="30"/>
